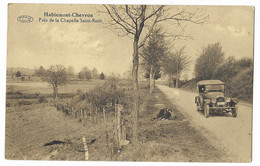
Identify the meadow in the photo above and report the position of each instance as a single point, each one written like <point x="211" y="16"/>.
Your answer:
<point x="36" y="85"/>
<point x="36" y="91"/>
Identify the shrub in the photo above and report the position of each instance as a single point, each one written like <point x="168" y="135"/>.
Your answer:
<point x="109" y="93"/>
<point x="42" y="99"/>
<point x="8" y="104"/>
<point x="241" y="86"/>
<point x="37" y="94"/>
<point x="102" y="76"/>
<point x="66" y="95"/>
<point x="79" y="92"/>
<point x="18" y="93"/>
<point x="25" y="102"/>
<point x="9" y="93"/>
<point x="18" y="74"/>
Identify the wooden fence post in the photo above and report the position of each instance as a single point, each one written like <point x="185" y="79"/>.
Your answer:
<point x="105" y="124"/>
<point x="81" y="115"/>
<point x="92" y="114"/>
<point x="85" y="148"/>
<point x="85" y="115"/>
<point x="119" y="109"/>
<point x="123" y="132"/>
<point x="96" y="112"/>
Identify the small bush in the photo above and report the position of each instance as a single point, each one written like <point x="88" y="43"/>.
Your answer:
<point x="37" y="94"/>
<point x="66" y="95"/>
<point x="18" y="93"/>
<point x="8" y="104"/>
<point x="42" y="99"/>
<point x="9" y="93"/>
<point x="25" y="102"/>
<point x="79" y="92"/>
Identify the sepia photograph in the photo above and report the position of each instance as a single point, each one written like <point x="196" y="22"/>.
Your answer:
<point x="119" y="82"/>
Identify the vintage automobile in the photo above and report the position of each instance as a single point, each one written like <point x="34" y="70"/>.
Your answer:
<point x="212" y="98"/>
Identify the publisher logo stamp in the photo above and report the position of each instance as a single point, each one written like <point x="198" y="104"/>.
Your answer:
<point x="25" y="19"/>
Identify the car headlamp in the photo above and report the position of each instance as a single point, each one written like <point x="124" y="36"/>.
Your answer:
<point x="213" y="100"/>
<point x="228" y="100"/>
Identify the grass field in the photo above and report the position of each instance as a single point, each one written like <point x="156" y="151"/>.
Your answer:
<point x="30" y="124"/>
<point x="38" y="86"/>
<point x="27" y="92"/>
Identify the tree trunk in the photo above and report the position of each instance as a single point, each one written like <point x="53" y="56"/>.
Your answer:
<point x="152" y="82"/>
<point x="136" y="90"/>
<point x="139" y="29"/>
<point x="105" y="125"/>
<point x="170" y="80"/>
<point x="177" y="80"/>
<point x="119" y="126"/>
<point x="55" y="92"/>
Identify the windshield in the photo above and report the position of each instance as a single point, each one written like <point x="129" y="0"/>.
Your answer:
<point x="215" y="88"/>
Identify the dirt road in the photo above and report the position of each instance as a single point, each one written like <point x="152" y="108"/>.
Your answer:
<point x="232" y="134"/>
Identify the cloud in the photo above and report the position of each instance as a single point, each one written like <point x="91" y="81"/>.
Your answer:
<point x="95" y="46"/>
<point x="232" y="30"/>
<point x="237" y="32"/>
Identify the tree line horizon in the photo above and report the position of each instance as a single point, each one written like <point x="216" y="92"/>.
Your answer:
<point x="158" y="60"/>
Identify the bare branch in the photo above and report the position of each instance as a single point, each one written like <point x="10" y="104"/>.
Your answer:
<point x="184" y="16"/>
<point x="127" y="29"/>
<point x="149" y="32"/>
<point x="154" y="13"/>
<point x="128" y="13"/>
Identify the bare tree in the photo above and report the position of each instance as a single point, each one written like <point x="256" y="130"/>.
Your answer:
<point x="70" y="71"/>
<point x="175" y="63"/>
<point x="138" y="22"/>
<point x="40" y="72"/>
<point x="94" y="73"/>
<point x="56" y="76"/>
<point x="181" y="63"/>
<point x="85" y="73"/>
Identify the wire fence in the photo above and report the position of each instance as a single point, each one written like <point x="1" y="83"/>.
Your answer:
<point x="114" y="135"/>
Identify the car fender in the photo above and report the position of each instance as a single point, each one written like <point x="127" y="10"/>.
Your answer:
<point x="206" y="101"/>
<point x="235" y="100"/>
<point x="197" y="99"/>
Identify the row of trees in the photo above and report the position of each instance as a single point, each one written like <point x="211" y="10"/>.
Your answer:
<point x="237" y="74"/>
<point x="158" y="58"/>
<point x="85" y="73"/>
<point x="88" y="74"/>
<point x="138" y="22"/>
<point x="57" y="75"/>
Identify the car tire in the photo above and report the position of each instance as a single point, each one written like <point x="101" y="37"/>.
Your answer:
<point x="198" y="108"/>
<point x="206" y="110"/>
<point x="234" y="112"/>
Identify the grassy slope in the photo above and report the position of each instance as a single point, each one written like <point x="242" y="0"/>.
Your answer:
<point x="169" y="140"/>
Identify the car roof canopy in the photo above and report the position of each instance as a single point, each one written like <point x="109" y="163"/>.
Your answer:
<point x="210" y="82"/>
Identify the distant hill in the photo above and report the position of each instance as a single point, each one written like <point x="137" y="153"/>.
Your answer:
<point x="23" y="71"/>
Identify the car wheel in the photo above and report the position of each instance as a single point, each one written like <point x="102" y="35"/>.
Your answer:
<point x="198" y="108"/>
<point x="197" y="103"/>
<point x="206" y="110"/>
<point x="234" y="111"/>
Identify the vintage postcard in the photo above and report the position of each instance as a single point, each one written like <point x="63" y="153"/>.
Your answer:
<point x="129" y="83"/>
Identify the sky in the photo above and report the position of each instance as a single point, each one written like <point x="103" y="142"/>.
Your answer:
<point x="39" y="43"/>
